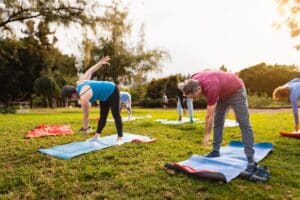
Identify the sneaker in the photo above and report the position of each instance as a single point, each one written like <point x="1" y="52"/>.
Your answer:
<point x="96" y="138"/>
<point x="120" y="141"/>
<point x="213" y="154"/>
<point x="261" y="175"/>
<point x="249" y="171"/>
<point x="83" y="130"/>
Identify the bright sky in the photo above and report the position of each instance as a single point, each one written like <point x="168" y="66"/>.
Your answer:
<point x="201" y="34"/>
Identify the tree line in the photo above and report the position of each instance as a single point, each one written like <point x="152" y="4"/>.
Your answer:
<point x="260" y="80"/>
<point x="34" y="69"/>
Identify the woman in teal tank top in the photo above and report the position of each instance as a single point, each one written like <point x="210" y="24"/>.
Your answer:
<point x="89" y="91"/>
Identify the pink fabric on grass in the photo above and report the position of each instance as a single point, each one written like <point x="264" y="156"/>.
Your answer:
<point x="45" y="130"/>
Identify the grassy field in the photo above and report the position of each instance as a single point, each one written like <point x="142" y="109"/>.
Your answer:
<point x="135" y="171"/>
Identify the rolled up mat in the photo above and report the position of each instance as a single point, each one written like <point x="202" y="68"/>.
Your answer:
<point x="224" y="168"/>
<point x="45" y="130"/>
<point x="287" y="134"/>
<point x="68" y="151"/>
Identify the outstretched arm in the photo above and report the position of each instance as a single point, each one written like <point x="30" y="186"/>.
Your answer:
<point x="88" y="74"/>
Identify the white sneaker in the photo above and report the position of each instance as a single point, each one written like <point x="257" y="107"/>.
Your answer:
<point x="120" y="141"/>
<point x="94" y="139"/>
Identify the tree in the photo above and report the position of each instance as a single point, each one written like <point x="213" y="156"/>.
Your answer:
<point x="289" y="11"/>
<point x="156" y="88"/>
<point x="168" y="85"/>
<point x="138" y="93"/>
<point x="263" y="79"/>
<point x="23" y="61"/>
<point x="126" y="61"/>
<point x="45" y="86"/>
<point x="63" y="12"/>
<point x="61" y="67"/>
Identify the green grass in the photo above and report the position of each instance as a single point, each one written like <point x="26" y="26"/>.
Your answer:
<point x="135" y="171"/>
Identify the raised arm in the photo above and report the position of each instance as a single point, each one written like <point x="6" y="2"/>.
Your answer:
<point x="88" y="74"/>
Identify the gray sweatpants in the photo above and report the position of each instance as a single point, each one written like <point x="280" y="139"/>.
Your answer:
<point x="239" y="103"/>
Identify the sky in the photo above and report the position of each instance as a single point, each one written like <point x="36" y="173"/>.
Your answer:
<point x="205" y="34"/>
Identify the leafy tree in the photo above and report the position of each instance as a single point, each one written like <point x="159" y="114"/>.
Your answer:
<point x="59" y="12"/>
<point x="263" y="79"/>
<point x="168" y="85"/>
<point x="61" y="67"/>
<point x="155" y="88"/>
<point x="138" y="93"/>
<point x="126" y="61"/>
<point x="289" y="11"/>
<point x="23" y="61"/>
<point x="20" y="64"/>
<point x="46" y="87"/>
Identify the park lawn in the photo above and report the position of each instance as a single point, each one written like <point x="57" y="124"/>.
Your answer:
<point x="136" y="171"/>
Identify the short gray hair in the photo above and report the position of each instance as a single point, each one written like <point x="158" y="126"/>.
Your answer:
<point x="180" y="86"/>
<point x="190" y="86"/>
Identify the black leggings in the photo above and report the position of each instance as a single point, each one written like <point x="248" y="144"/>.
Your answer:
<point x="112" y="102"/>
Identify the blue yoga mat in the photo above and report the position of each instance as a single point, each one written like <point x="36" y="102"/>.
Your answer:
<point x="68" y="151"/>
<point x="231" y="162"/>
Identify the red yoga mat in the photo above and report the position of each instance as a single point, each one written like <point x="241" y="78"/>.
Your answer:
<point x="45" y="130"/>
<point x="286" y="134"/>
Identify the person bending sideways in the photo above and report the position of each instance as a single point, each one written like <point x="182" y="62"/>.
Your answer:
<point x="89" y="91"/>
<point x="221" y="90"/>
<point x="181" y="99"/>
<point x="290" y="91"/>
<point x="165" y="101"/>
<point x="125" y="99"/>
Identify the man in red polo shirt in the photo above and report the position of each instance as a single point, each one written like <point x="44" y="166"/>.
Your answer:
<point x="223" y="89"/>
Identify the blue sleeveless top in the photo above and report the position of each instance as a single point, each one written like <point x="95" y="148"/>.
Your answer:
<point x="101" y="89"/>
